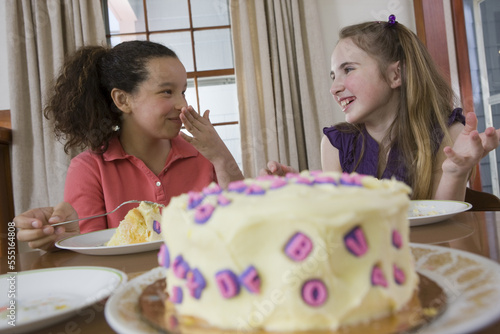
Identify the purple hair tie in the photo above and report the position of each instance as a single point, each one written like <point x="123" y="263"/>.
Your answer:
<point x="392" y="20"/>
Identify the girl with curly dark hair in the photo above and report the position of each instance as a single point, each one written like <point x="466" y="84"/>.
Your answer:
<point x="125" y="105"/>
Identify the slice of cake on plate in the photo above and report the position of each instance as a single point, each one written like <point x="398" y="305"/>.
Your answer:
<point x="141" y="224"/>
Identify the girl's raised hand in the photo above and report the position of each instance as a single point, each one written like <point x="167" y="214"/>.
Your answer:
<point x="207" y="141"/>
<point x="469" y="147"/>
<point x="204" y="137"/>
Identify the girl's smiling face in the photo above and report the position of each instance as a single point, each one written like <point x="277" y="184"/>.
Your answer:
<point x="156" y="103"/>
<point x="364" y="93"/>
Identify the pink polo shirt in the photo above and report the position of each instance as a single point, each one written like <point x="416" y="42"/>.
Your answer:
<point x="99" y="183"/>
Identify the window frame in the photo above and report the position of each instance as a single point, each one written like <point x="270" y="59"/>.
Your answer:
<point x="195" y="75"/>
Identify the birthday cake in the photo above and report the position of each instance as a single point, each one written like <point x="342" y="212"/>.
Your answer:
<point x="309" y="251"/>
<point x="141" y="224"/>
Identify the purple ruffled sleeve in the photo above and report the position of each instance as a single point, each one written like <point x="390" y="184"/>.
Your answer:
<point x="344" y="143"/>
<point x="456" y="116"/>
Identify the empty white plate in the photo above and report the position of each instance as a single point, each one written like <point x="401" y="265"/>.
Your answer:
<point x="46" y="296"/>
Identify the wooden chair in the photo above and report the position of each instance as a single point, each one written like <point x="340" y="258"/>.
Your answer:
<point x="482" y="201"/>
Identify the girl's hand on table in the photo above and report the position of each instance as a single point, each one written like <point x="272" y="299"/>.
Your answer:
<point x="35" y="226"/>
<point x="469" y="147"/>
<point x="275" y="168"/>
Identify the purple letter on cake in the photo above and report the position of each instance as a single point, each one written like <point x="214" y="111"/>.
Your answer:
<point x="399" y="275"/>
<point x="156" y="226"/>
<point x="278" y="183"/>
<point x="227" y="283"/>
<point x="176" y="295"/>
<point x="397" y="240"/>
<point x="250" y="280"/>
<point x="164" y="256"/>
<point x="203" y="213"/>
<point x="180" y="267"/>
<point x="355" y="241"/>
<point x="378" y="277"/>
<point x="314" y="292"/>
<point x="195" y="283"/>
<point x="194" y="199"/>
<point x="298" y="247"/>
<point x="237" y="186"/>
<point x="223" y="200"/>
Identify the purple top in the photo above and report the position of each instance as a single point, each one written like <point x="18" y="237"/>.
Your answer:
<point x="350" y="144"/>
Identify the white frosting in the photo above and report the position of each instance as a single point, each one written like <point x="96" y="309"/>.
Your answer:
<point x="255" y="229"/>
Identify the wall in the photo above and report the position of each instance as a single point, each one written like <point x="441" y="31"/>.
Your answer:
<point x="336" y="14"/>
<point x="4" y="77"/>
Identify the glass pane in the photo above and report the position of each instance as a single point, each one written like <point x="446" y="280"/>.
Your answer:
<point x="191" y="94"/>
<point x="230" y="134"/>
<point x="167" y="14"/>
<point x="126" y="16"/>
<point x="490" y="27"/>
<point x="213" y="49"/>
<point x="115" y="40"/>
<point x="180" y="42"/>
<point x="474" y="62"/>
<point x="219" y="95"/>
<point x="490" y="15"/>
<point x="485" y="171"/>
<point x="210" y="13"/>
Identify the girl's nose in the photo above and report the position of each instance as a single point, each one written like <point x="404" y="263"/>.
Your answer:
<point x="181" y="102"/>
<point x="337" y="87"/>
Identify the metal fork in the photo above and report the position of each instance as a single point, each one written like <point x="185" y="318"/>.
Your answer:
<point x="107" y="213"/>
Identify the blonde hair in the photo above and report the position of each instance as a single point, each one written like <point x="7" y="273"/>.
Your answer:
<point x="426" y="99"/>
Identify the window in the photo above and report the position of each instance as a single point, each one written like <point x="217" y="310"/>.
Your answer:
<point x="199" y="31"/>
<point x="483" y="36"/>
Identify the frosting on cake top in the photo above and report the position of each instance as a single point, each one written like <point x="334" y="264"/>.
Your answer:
<point x="205" y="203"/>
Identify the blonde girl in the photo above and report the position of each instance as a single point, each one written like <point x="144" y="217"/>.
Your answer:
<point x="400" y="115"/>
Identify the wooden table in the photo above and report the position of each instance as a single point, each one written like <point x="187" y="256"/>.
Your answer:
<point x="476" y="232"/>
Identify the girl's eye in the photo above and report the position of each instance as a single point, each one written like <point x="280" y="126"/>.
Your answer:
<point x="168" y="92"/>
<point x="348" y="69"/>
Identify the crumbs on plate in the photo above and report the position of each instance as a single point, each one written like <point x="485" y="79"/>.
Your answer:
<point x="422" y="210"/>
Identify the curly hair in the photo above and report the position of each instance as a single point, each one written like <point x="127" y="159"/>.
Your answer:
<point x="426" y="98"/>
<point x="80" y="104"/>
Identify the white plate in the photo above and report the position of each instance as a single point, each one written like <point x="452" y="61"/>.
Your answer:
<point x="471" y="283"/>
<point x="433" y="211"/>
<point x="46" y="296"/>
<point x="93" y="243"/>
<point x="122" y="309"/>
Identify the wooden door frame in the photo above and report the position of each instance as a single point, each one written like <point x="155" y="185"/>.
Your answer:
<point x="431" y="29"/>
